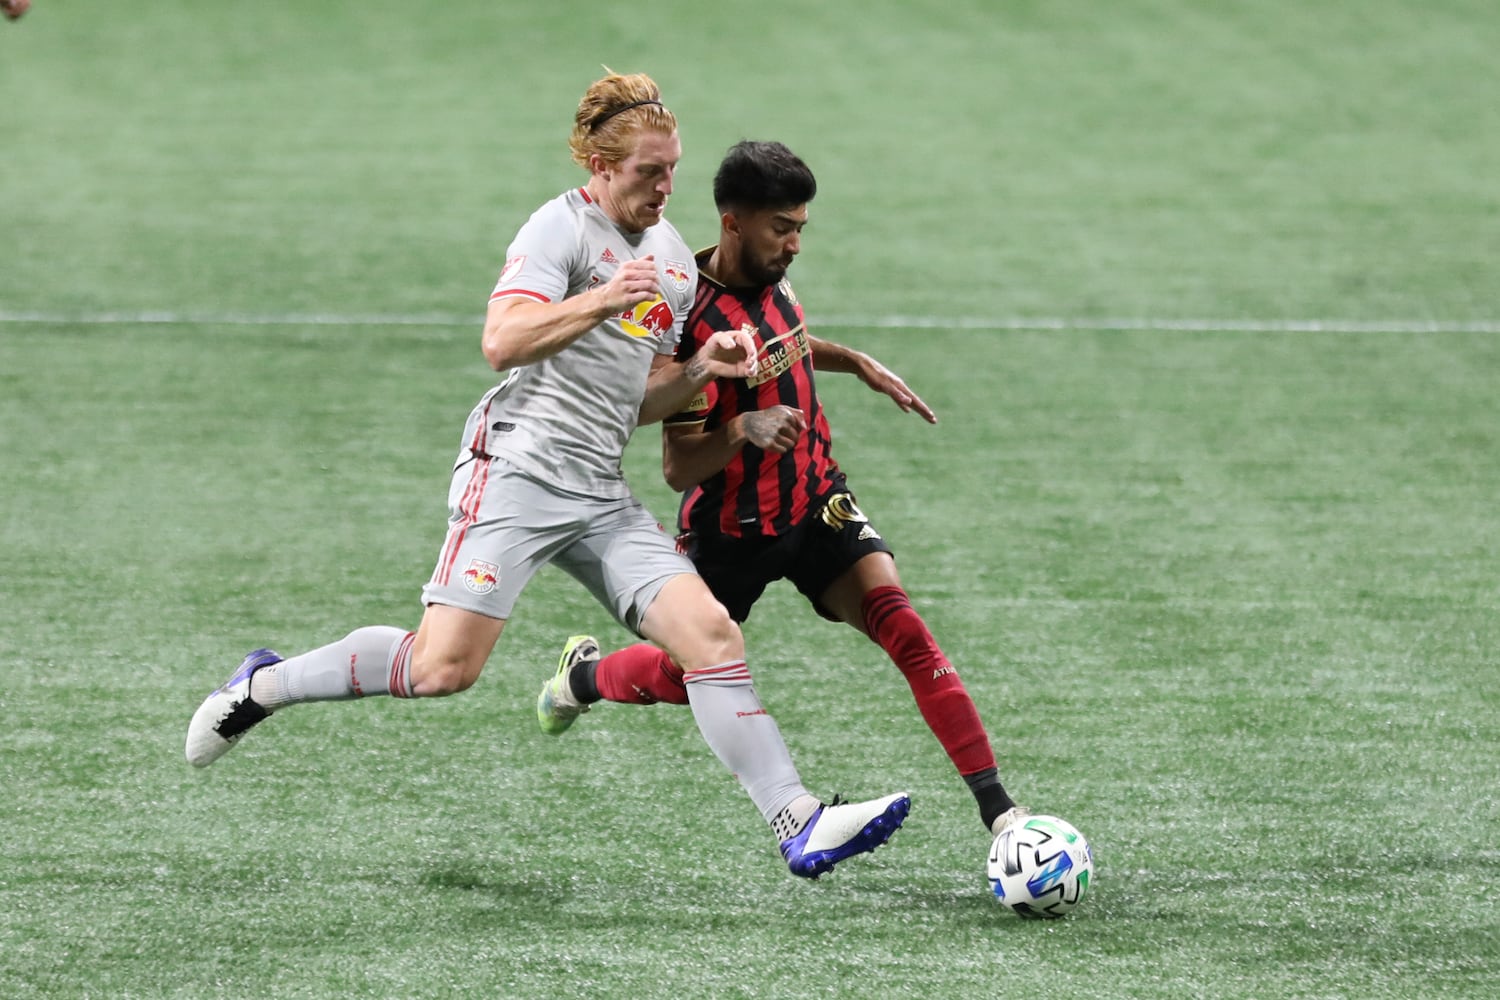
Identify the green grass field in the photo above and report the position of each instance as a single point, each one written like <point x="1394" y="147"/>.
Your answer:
<point x="1205" y="298"/>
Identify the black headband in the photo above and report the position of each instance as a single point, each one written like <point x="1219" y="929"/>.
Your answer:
<point x="620" y="110"/>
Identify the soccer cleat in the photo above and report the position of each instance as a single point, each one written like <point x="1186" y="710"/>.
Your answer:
<point x="228" y="713"/>
<point x="556" y="706"/>
<point x="1014" y="814"/>
<point x="841" y="830"/>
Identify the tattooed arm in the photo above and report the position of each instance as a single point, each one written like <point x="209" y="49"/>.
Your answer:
<point x="730" y="354"/>
<point x="689" y="454"/>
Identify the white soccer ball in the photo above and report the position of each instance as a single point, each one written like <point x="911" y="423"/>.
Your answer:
<point x="1040" y="867"/>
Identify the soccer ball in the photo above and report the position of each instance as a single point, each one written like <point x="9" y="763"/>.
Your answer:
<point x="1040" y="867"/>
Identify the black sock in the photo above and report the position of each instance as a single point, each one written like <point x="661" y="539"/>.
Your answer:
<point x="581" y="681"/>
<point x="990" y="794"/>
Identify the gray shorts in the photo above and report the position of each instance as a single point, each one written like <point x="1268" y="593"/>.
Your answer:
<point x="503" y="526"/>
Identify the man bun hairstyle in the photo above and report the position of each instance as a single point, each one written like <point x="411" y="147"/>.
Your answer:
<point x="760" y="175"/>
<point x="613" y="112"/>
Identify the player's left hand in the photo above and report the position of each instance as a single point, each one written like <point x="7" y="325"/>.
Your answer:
<point x="880" y="378"/>
<point x="775" y="429"/>
<point x="13" y="9"/>
<point x="729" y="354"/>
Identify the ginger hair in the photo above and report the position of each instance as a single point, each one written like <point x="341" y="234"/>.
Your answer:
<point x="600" y="126"/>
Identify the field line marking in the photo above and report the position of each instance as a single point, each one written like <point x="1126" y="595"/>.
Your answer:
<point x="974" y="323"/>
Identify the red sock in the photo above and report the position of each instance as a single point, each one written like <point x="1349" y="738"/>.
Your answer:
<point x="941" y="697"/>
<point x="640" y="675"/>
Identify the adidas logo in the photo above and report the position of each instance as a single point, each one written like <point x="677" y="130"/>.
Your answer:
<point x="868" y="532"/>
<point x="608" y="257"/>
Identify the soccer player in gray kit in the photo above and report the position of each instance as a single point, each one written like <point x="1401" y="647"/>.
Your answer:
<point x="584" y="322"/>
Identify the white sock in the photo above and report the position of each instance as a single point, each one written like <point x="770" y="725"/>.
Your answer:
<point x="790" y="821"/>
<point x="367" y="661"/>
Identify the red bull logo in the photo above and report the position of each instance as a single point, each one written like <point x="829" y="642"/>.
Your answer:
<point x="481" y="577"/>
<point x="676" y="272"/>
<point x="648" y="319"/>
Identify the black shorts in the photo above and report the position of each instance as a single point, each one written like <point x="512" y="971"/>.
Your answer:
<point x="832" y="538"/>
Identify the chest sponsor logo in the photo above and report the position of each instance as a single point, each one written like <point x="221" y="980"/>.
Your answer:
<point x="779" y="355"/>
<point x="648" y="319"/>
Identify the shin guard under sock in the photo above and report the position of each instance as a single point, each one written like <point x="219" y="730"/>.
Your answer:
<point x="941" y="697"/>
<point x="367" y="661"/>
<point x="743" y="735"/>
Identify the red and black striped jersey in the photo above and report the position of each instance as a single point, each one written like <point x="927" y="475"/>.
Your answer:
<point x="757" y="493"/>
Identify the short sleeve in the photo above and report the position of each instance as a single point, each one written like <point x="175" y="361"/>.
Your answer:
<point x="539" y="261"/>
<point x="697" y="409"/>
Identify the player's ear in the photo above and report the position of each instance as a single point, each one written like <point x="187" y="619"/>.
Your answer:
<point x="730" y="223"/>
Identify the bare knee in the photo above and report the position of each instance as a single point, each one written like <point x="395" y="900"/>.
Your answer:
<point x="437" y="677"/>
<point x="450" y="650"/>
<point x="692" y="626"/>
<point x="720" y="636"/>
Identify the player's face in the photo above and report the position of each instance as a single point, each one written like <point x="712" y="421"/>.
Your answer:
<point x="636" y="189"/>
<point x="769" y="240"/>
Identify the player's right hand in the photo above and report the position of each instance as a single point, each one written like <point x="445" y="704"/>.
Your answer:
<point x="634" y="282"/>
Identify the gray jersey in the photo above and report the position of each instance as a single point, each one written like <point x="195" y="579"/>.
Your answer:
<point x="565" y="420"/>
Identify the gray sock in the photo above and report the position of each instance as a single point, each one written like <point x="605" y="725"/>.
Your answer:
<point x="367" y="661"/>
<point x="745" y="737"/>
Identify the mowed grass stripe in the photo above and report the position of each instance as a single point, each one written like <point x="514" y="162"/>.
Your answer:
<point x="839" y="322"/>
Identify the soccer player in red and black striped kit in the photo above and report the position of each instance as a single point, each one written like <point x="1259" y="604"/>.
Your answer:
<point x="764" y="499"/>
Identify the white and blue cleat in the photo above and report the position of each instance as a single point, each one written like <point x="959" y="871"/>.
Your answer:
<point x="841" y="830"/>
<point x="228" y="713"/>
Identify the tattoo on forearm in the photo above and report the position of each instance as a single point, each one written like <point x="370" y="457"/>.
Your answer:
<point x="697" y="368"/>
